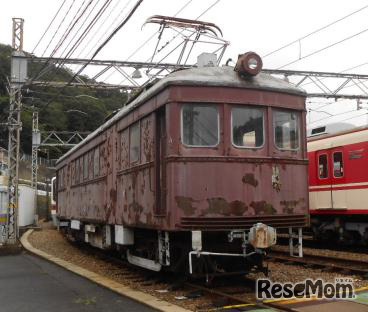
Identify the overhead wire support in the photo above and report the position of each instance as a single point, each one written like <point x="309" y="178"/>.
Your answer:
<point x="341" y="82"/>
<point x="9" y="224"/>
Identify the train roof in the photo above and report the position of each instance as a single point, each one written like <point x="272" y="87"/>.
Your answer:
<point x="224" y="76"/>
<point x="345" y="137"/>
<point x="331" y="128"/>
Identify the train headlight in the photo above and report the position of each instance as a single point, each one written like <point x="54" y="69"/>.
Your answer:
<point x="262" y="236"/>
<point x="252" y="63"/>
<point x="249" y="64"/>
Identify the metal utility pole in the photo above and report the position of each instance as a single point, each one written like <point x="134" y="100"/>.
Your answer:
<point x="36" y="140"/>
<point x="17" y="79"/>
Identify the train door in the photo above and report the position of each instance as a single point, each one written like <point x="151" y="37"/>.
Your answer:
<point x="324" y="193"/>
<point x="160" y="167"/>
<point x="338" y="195"/>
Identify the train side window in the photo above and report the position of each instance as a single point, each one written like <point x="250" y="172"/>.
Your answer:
<point x="338" y="165"/>
<point x="91" y="166"/>
<point x="323" y="166"/>
<point x="247" y="127"/>
<point x="54" y="189"/>
<point x="63" y="176"/>
<point x="286" y="129"/>
<point x="200" y="125"/>
<point x="77" y="171"/>
<point x="85" y="166"/>
<point x="81" y="169"/>
<point x="135" y="137"/>
<point x="72" y="172"/>
<point x="60" y="178"/>
<point x="96" y="162"/>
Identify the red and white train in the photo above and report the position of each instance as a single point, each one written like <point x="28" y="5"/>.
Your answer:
<point x="338" y="184"/>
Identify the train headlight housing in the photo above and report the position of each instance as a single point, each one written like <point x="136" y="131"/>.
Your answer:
<point x="249" y="64"/>
<point x="262" y="236"/>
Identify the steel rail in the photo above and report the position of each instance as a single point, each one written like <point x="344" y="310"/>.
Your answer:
<point x="235" y="299"/>
<point x="351" y="265"/>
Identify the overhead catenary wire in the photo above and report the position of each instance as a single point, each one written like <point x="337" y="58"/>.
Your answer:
<point x="138" y="3"/>
<point x="324" y="105"/>
<point x="132" y="11"/>
<point x="156" y="32"/>
<point x="346" y="119"/>
<point x="80" y="28"/>
<point x="174" y="37"/>
<point x="100" y="28"/>
<point x="107" y="29"/>
<point x="366" y="113"/>
<point x="75" y="20"/>
<point x="148" y="40"/>
<point x="316" y="31"/>
<point x="109" y="38"/>
<point x="48" y="27"/>
<point x="58" y="28"/>
<point x="209" y="8"/>
<point x="325" y="48"/>
<point x="354" y="110"/>
<point x="71" y="25"/>
<point x="88" y="28"/>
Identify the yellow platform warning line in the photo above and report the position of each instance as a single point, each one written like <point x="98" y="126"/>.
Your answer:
<point x="238" y="306"/>
<point x="229" y="307"/>
<point x="290" y="301"/>
<point x="302" y="299"/>
<point x="361" y="289"/>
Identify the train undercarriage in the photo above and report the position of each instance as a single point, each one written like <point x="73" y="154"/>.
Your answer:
<point x="199" y="253"/>
<point x="350" y="230"/>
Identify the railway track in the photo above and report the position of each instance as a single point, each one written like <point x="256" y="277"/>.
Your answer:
<point x="335" y="264"/>
<point x="310" y="242"/>
<point x="228" y="294"/>
<point x="231" y="295"/>
<point x="235" y="293"/>
<point x="223" y="301"/>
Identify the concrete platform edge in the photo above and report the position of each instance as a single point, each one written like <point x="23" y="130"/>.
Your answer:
<point x="116" y="287"/>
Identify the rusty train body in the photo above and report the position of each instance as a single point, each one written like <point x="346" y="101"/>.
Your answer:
<point x="196" y="173"/>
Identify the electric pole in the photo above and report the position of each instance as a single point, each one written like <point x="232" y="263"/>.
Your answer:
<point x="36" y="140"/>
<point x="17" y="79"/>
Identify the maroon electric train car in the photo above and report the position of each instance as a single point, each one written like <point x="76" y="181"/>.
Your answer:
<point x="196" y="173"/>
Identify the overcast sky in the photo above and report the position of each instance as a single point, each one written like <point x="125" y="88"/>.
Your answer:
<point x="261" y="26"/>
